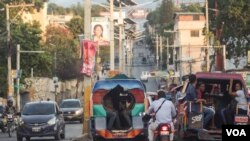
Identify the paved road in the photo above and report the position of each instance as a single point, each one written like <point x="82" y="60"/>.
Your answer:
<point x="73" y="130"/>
<point x="138" y="67"/>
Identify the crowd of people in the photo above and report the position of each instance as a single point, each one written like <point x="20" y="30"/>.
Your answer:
<point x="197" y="94"/>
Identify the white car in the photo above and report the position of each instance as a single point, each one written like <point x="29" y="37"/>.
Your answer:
<point x="145" y="75"/>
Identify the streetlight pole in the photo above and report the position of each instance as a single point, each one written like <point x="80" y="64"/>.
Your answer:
<point x="18" y="70"/>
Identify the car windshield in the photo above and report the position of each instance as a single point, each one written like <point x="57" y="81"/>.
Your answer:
<point x="39" y="109"/>
<point x="70" y="104"/>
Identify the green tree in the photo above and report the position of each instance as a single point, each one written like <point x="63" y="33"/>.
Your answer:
<point x="233" y="22"/>
<point x="76" y="26"/>
<point x="196" y="7"/>
<point x="60" y="41"/>
<point x="29" y="37"/>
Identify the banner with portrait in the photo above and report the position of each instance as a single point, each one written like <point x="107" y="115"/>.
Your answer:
<point x="88" y="58"/>
<point x="100" y="30"/>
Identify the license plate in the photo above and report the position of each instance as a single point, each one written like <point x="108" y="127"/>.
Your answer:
<point x="119" y="135"/>
<point x="164" y="132"/>
<point x="9" y="116"/>
<point x="36" y="129"/>
<point x="241" y="119"/>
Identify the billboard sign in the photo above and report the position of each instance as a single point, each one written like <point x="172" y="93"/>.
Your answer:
<point x="100" y="30"/>
<point x="139" y="14"/>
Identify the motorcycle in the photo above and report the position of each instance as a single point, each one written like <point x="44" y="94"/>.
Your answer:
<point x="10" y="124"/>
<point x="162" y="132"/>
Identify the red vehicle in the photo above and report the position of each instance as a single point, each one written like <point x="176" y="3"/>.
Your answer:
<point x="189" y="124"/>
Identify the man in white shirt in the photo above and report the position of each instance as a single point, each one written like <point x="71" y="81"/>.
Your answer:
<point x="164" y="115"/>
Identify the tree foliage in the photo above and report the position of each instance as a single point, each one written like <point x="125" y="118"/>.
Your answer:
<point x="234" y="22"/>
<point x="76" y="26"/>
<point x="196" y="7"/>
<point x="28" y="36"/>
<point x="60" y="43"/>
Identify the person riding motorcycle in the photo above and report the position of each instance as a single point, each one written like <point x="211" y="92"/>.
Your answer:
<point x="165" y="114"/>
<point x="10" y="108"/>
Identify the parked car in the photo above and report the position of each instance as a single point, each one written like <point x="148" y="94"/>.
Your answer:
<point x="72" y="110"/>
<point x="40" y="119"/>
<point x="145" y="75"/>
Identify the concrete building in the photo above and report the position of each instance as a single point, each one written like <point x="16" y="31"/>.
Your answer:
<point x="44" y="19"/>
<point x="37" y="15"/>
<point x="189" y="42"/>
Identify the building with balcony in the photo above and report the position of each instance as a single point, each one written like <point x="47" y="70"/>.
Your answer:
<point x="189" y="42"/>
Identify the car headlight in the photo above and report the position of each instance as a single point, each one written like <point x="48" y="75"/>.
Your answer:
<point x="52" y="121"/>
<point x="78" y="112"/>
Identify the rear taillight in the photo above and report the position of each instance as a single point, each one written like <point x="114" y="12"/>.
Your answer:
<point x="165" y="128"/>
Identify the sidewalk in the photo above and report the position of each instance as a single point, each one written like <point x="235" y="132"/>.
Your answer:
<point x="84" y="137"/>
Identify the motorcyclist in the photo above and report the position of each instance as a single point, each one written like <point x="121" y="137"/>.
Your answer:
<point x="10" y="108"/>
<point x="165" y="114"/>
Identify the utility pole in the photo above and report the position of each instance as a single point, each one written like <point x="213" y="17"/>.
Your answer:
<point x="120" y="22"/>
<point x="87" y="82"/>
<point x="10" y="89"/>
<point x="224" y="57"/>
<point x="161" y="52"/>
<point x="18" y="77"/>
<point x="167" y="54"/>
<point x="157" y="53"/>
<point x="207" y="27"/>
<point x="112" y="48"/>
<point x="9" y="77"/>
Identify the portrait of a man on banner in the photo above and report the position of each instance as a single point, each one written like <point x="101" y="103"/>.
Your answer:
<point x="89" y="52"/>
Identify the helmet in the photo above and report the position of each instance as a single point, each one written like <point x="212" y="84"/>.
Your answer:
<point x="10" y="102"/>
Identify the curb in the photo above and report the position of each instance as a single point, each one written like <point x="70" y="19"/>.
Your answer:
<point x="84" y="137"/>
